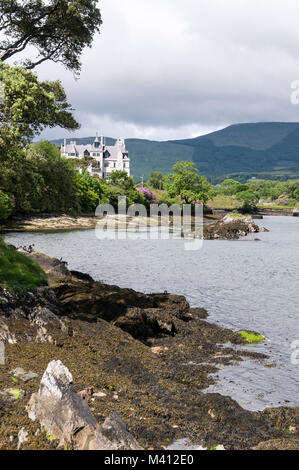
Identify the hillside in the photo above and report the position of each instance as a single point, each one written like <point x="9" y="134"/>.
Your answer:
<point x="244" y="150"/>
<point x="257" y="136"/>
<point x="147" y="155"/>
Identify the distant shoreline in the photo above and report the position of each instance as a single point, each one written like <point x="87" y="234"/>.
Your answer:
<point x="52" y="222"/>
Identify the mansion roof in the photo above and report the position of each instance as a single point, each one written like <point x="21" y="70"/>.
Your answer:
<point x="96" y="147"/>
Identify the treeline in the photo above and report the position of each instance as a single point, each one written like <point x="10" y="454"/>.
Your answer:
<point x="247" y="194"/>
<point x="38" y="180"/>
<point x="264" y="191"/>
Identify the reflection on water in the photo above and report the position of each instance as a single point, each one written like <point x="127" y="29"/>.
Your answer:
<point x="243" y="284"/>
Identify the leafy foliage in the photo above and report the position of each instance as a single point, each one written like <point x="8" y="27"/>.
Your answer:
<point x="29" y="107"/>
<point x="282" y="193"/>
<point x="38" y="180"/>
<point x="149" y="196"/>
<point x="120" y="184"/>
<point x="6" y="206"/>
<point x="186" y="183"/>
<point x="230" y="187"/>
<point x="89" y="191"/>
<point x="156" y="180"/>
<point x="249" y="200"/>
<point x="58" y="29"/>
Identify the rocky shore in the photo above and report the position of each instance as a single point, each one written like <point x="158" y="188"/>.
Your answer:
<point x="48" y="223"/>
<point x="131" y="365"/>
<point x="231" y="227"/>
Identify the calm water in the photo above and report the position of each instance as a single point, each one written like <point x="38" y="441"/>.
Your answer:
<point x="243" y="284"/>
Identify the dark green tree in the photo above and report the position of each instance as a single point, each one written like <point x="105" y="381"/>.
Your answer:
<point x="249" y="200"/>
<point x="29" y="107"/>
<point x="59" y="30"/>
<point x="89" y="191"/>
<point x="231" y="187"/>
<point x="38" y="180"/>
<point x="155" y="180"/>
<point x="186" y="183"/>
<point x="6" y="206"/>
<point x="120" y="184"/>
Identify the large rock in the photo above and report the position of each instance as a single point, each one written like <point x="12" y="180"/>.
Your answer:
<point x="55" y="269"/>
<point x="64" y="415"/>
<point x="230" y="227"/>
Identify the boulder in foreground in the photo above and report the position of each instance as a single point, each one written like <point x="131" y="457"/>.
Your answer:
<point x="65" y="417"/>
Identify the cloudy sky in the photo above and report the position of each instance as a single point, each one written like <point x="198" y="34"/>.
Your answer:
<point x="164" y="69"/>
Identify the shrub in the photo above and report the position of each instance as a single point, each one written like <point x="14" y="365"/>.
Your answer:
<point x="150" y="197"/>
<point x="249" y="199"/>
<point x="6" y="206"/>
<point x="89" y="191"/>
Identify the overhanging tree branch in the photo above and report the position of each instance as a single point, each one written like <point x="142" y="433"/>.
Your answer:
<point x="68" y="26"/>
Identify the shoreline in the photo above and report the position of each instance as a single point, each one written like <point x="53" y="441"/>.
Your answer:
<point x="55" y="223"/>
<point x="47" y="223"/>
<point x="142" y="355"/>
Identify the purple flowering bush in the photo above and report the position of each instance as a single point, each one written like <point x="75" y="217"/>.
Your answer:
<point x="148" y="194"/>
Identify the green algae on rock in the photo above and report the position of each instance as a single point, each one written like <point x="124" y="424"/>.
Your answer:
<point x="251" y="337"/>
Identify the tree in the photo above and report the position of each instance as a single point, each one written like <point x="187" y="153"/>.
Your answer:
<point x="89" y="191"/>
<point x="29" y="107"/>
<point x="249" y="199"/>
<point x="155" y="180"/>
<point x="39" y="180"/>
<point x="292" y="188"/>
<point x="43" y="150"/>
<point x="58" y="29"/>
<point x="58" y="191"/>
<point x="121" y="177"/>
<point x="186" y="183"/>
<point x="6" y="206"/>
<point x="121" y="184"/>
<point x="231" y="187"/>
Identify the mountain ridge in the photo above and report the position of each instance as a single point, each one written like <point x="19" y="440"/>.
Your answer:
<point x="245" y="149"/>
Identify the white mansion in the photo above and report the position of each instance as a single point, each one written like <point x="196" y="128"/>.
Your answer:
<point x="106" y="158"/>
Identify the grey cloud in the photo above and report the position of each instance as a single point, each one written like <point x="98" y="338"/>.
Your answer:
<point x="175" y="69"/>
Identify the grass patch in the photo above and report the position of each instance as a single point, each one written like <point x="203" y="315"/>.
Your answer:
<point x="17" y="272"/>
<point x="251" y="337"/>
<point x="276" y="206"/>
<point x="237" y="215"/>
<point x="224" y="202"/>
